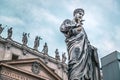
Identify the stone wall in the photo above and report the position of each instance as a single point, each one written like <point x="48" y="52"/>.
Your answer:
<point x="9" y="47"/>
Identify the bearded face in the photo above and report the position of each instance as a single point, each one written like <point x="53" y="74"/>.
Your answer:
<point x="78" y="14"/>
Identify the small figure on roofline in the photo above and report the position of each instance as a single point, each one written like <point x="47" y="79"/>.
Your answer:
<point x="10" y="32"/>
<point x="57" y="56"/>
<point x="37" y="42"/>
<point x="45" y="49"/>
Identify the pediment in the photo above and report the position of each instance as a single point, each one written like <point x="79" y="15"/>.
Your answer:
<point x="34" y="66"/>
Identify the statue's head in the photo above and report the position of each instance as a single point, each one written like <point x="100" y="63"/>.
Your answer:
<point x="25" y="33"/>
<point x="10" y="28"/>
<point x="64" y="53"/>
<point x="78" y="13"/>
<point x="56" y="49"/>
<point x="45" y="44"/>
<point x="65" y="27"/>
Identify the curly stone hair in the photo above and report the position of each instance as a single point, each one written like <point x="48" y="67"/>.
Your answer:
<point x="79" y="10"/>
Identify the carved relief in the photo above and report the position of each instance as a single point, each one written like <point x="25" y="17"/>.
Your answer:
<point x="45" y="59"/>
<point x="24" y="52"/>
<point x="64" y="67"/>
<point x="8" y="45"/>
<point x="59" y="65"/>
<point x="35" y="68"/>
<point x="14" y="75"/>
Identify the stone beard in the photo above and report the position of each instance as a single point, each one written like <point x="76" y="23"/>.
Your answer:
<point x="83" y="61"/>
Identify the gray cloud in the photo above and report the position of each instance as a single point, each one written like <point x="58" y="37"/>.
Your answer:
<point x="43" y="18"/>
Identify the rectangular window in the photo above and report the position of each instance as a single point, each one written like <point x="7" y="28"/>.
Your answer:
<point x="14" y="57"/>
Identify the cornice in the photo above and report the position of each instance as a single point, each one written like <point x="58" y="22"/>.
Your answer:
<point x="31" y="51"/>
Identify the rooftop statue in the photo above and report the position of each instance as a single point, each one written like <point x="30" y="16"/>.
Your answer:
<point x="1" y="29"/>
<point x="45" y="49"/>
<point x="25" y="38"/>
<point x="37" y="42"/>
<point x="57" y="56"/>
<point x="63" y="58"/>
<point x="83" y="61"/>
<point x="10" y="32"/>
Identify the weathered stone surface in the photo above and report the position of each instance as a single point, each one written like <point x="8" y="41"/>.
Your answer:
<point x="25" y="52"/>
<point x="83" y="61"/>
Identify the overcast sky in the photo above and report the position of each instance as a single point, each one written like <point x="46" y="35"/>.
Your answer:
<point x="44" y="17"/>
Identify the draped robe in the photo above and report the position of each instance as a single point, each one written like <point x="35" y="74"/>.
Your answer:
<point x="83" y="61"/>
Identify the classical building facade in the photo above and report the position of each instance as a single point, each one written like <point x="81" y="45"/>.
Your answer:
<point x="20" y="62"/>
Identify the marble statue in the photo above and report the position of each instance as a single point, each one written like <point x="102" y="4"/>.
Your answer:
<point x="25" y="38"/>
<point x="37" y="42"/>
<point x="63" y="58"/>
<point x="83" y="61"/>
<point x="1" y="28"/>
<point x="10" y="32"/>
<point x="57" y="56"/>
<point x="45" y="49"/>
